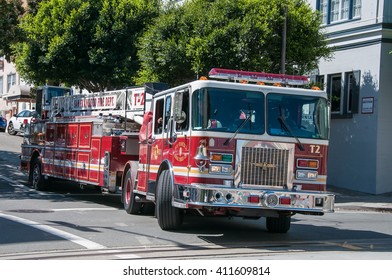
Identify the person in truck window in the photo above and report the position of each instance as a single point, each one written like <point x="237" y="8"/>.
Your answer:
<point x="213" y="123"/>
<point x="158" y="118"/>
<point x="159" y="125"/>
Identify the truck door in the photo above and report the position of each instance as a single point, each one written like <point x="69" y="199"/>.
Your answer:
<point x="151" y="154"/>
<point x="180" y="136"/>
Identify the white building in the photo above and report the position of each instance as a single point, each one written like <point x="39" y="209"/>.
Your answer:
<point x="359" y="81"/>
<point x="14" y="92"/>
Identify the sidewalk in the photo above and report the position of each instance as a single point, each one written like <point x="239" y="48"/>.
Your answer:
<point x="358" y="201"/>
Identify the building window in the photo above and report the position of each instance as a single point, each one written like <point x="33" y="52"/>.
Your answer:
<point x="11" y="80"/>
<point x="356" y="8"/>
<point x="323" y="8"/>
<point x="344" y="9"/>
<point x="344" y="94"/>
<point x="335" y="93"/>
<point x="333" y="11"/>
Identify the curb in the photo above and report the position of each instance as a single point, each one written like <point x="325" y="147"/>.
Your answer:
<point x="375" y="208"/>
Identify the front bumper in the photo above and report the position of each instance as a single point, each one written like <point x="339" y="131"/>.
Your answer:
<point x="197" y="195"/>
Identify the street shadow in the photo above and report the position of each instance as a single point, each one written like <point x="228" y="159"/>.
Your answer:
<point x="58" y="190"/>
<point x="15" y="232"/>
<point x="9" y="165"/>
<point x="345" y="196"/>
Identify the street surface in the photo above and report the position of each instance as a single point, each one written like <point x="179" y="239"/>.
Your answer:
<point x="67" y="222"/>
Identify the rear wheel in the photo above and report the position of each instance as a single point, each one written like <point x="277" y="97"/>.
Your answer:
<point x="279" y="225"/>
<point x="131" y="206"/>
<point x="169" y="217"/>
<point x="11" y="129"/>
<point x="37" y="180"/>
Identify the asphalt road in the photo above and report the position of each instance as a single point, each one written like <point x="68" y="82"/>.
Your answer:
<point x="67" y="222"/>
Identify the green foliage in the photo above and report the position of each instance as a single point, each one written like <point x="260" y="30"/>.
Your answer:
<point x="107" y="44"/>
<point x="32" y="6"/>
<point x="83" y="42"/>
<point x="10" y="14"/>
<point x="187" y="41"/>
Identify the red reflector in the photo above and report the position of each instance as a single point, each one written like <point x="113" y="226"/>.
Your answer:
<point x="25" y="121"/>
<point x="254" y="199"/>
<point x="285" y="200"/>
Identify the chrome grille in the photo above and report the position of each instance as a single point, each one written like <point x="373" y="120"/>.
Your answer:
<point x="264" y="166"/>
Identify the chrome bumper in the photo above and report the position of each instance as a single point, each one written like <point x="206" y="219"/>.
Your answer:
<point x="193" y="196"/>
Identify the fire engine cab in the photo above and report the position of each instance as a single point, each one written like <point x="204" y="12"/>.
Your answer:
<point x="238" y="147"/>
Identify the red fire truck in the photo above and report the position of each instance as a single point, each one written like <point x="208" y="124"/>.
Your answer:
<point x="238" y="147"/>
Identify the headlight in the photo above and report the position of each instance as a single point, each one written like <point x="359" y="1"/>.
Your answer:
<point x="306" y="175"/>
<point x="221" y="169"/>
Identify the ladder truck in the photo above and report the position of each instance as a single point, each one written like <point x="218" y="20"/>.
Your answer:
<point x="240" y="143"/>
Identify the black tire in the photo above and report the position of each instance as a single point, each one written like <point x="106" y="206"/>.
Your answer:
<point x="11" y="130"/>
<point x="37" y="180"/>
<point x="131" y="206"/>
<point x="278" y="225"/>
<point x="169" y="217"/>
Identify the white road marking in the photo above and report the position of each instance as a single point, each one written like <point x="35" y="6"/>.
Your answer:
<point x="65" y="235"/>
<point x="143" y="240"/>
<point x="121" y="224"/>
<point x="128" y="256"/>
<point x="83" y="209"/>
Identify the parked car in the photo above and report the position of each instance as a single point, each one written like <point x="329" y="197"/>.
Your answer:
<point x="3" y="123"/>
<point x="18" y="122"/>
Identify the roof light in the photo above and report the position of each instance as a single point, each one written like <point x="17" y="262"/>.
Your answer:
<point x="239" y="75"/>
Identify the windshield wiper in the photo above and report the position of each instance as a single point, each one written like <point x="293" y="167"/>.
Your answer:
<point x="238" y="130"/>
<point x="284" y="124"/>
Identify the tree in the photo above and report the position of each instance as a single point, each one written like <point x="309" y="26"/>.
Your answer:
<point x="10" y="13"/>
<point x="33" y="5"/>
<point x="88" y="43"/>
<point x="187" y="41"/>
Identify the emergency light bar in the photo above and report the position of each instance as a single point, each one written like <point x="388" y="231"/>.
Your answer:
<point x="238" y="75"/>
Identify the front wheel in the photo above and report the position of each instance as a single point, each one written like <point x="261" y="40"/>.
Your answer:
<point x="279" y="225"/>
<point x="38" y="181"/>
<point x="169" y="217"/>
<point x="11" y="129"/>
<point x="131" y="206"/>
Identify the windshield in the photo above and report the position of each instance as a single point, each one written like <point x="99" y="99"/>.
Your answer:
<point x="226" y="110"/>
<point x="297" y="116"/>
